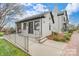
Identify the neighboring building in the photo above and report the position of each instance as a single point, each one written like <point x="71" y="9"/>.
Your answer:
<point x="42" y="25"/>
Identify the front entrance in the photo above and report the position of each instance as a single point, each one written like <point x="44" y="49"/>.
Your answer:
<point x="30" y="28"/>
<point x="37" y="28"/>
<point x="34" y="28"/>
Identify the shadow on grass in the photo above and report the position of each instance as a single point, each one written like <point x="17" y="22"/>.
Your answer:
<point x="8" y="49"/>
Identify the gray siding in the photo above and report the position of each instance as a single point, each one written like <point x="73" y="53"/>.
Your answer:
<point x="47" y="22"/>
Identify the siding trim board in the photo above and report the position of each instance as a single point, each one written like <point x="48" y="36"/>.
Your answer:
<point x="41" y="27"/>
<point x="25" y="20"/>
<point x="34" y="17"/>
<point x="52" y="17"/>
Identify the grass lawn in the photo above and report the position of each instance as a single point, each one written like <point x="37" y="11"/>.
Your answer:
<point x="1" y="34"/>
<point x="8" y="49"/>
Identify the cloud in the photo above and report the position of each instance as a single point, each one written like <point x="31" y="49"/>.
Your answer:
<point x="40" y="8"/>
<point x="26" y="4"/>
<point x="72" y="7"/>
<point x="26" y="14"/>
<point x="37" y="8"/>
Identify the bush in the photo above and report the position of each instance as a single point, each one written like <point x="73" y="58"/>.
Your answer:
<point x="67" y="35"/>
<point x="59" y="37"/>
<point x="71" y="30"/>
<point x="62" y="37"/>
<point x="54" y="33"/>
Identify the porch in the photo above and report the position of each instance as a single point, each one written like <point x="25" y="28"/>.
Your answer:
<point x="31" y="28"/>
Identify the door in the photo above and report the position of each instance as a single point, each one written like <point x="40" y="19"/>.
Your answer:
<point x="30" y="28"/>
<point x="37" y="28"/>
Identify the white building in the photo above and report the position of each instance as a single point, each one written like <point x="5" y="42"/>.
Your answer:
<point x="42" y="25"/>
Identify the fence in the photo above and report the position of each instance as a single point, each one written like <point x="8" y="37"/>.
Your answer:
<point x="22" y="41"/>
<point x="19" y="40"/>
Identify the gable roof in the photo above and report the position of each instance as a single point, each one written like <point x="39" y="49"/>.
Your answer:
<point x="63" y="13"/>
<point x="38" y="16"/>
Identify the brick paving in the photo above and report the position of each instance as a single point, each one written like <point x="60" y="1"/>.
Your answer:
<point x="72" y="47"/>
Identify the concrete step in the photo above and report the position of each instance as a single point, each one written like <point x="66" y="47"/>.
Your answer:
<point x="43" y="40"/>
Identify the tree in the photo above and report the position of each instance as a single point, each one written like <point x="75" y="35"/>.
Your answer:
<point x="78" y="26"/>
<point x="8" y="11"/>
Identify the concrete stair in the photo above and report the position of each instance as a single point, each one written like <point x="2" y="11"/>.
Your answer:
<point x="42" y="40"/>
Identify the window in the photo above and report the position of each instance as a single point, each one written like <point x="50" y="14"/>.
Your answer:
<point x="64" y="27"/>
<point x="64" y="18"/>
<point x="24" y="26"/>
<point x="36" y="25"/>
<point x="30" y="28"/>
<point x="19" y="27"/>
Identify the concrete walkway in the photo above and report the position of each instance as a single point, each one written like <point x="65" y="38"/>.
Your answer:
<point x="48" y="48"/>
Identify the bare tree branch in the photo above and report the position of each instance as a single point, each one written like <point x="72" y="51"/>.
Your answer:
<point x="8" y="10"/>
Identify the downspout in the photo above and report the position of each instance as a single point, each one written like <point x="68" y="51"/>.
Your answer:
<point x="16" y="33"/>
<point x="52" y="17"/>
<point x="41" y="27"/>
<point x="58" y="24"/>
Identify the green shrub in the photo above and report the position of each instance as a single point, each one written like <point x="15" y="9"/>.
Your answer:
<point x="54" y="33"/>
<point x="61" y="37"/>
<point x="71" y="30"/>
<point x="67" y="35"/>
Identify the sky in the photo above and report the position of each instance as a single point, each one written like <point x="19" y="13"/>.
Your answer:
<point x="30" y="9"/>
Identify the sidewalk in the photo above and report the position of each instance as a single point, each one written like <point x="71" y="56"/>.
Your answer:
<point x="48" y="48"/>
